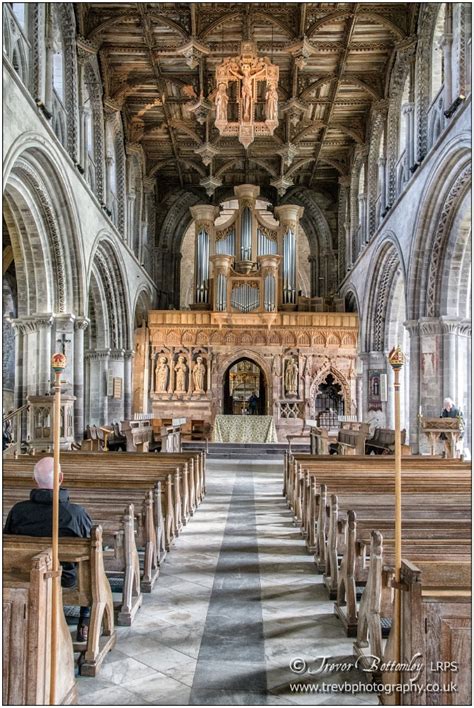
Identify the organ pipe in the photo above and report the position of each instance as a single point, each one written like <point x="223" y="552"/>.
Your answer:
<point x="246" y="235"/>
<point x="202" y="267"/>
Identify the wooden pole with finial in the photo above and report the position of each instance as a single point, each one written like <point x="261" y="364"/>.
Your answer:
<point x="396" y="359"/>
<point x="58" y="363"/>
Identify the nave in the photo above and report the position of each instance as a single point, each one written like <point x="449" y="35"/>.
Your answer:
<point x="234" y="604"/>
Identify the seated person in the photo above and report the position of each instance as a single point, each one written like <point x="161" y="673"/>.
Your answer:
<point x="35" y="518"/>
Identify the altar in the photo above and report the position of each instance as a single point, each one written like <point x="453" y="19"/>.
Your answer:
<point x="244" y="429"/>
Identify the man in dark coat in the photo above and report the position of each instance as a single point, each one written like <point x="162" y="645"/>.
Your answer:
<point x="34" y="517"/>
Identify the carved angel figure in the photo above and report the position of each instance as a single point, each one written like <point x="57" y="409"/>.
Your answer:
<point x="199" y="372"/>
<point x="291" y="378"/>
<point x="181" y="370"/>
<point x="161" y="374"/>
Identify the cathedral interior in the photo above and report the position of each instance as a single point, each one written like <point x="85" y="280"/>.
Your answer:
<point x="224" y="209"/>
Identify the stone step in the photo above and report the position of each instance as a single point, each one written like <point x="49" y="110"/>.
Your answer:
<point x="243" y="451"/>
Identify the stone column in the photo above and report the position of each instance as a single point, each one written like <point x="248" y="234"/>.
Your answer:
<point x="80" y="325"/>
<point x="44" y="374"/>
<point x="131" y="220"/>
<point x="314" y="266"/>
<point x="115" y="370"/>
<point x="18" y="394"/>
<point x="362" y="221"/>
<point x="447" y="47"/>
<point x="97" y="394"/>
<point x="412" y="328"/>
<point x="381" y="162"/>
<point x="408" y="112"/>
<point x="450" y="331"/>
<point x="127" y="384"/>
<point x="48" y="86"/>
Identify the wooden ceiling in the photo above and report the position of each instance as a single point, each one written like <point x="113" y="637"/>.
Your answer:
<point x="156" y="58"/>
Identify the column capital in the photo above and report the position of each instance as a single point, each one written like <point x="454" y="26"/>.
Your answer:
<point x="429" y="326"/>
<point x="65" y="321"/>
<point x="98" y="354"/>
<point x="454" y="325"/>
<point x="412" y="326"/>
<point x="116" y="354"/>
<point x="31" y="323"/>
<point x="81" y="323"/>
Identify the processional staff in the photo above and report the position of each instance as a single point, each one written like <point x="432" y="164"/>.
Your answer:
<point x="396" y="359"/>
<point x="58" y="363"/>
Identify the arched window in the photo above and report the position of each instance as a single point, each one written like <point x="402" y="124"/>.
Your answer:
<point x="58" y="73"/>
<point x="437" y="55"/>
<point x="362" y="199"/>
<point x="19" y="10"/>
<point x="380" y="190"/>
<point x="403" y="136"/>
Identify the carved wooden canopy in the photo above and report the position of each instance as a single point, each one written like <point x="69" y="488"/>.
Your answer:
<point x="159" y="61"/>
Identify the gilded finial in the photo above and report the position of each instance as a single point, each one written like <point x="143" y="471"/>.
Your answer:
<point x="396" y="358"/>
<point x="58" y="362"/>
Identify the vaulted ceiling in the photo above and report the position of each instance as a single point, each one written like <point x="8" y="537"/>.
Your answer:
<point x="157" y="59"/>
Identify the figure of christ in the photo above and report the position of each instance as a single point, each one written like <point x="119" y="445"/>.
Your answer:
<point x="246" y="94"/>
<point x="181" y="370"/>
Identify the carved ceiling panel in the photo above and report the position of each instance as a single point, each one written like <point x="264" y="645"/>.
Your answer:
<point x="159" y="59"/>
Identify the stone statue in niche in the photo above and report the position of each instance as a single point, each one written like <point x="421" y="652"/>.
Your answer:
<point x="180" y="370"/>
<point x="291" y="378"/>
<point x="199" y="373"/>
<point x="161" y="375"/>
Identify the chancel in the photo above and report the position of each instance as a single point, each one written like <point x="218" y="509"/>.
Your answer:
<point x="244" y="232"/>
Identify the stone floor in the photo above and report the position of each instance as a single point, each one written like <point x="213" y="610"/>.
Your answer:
<point x="237" y="601"/>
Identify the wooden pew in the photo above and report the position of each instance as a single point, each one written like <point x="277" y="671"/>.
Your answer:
<point x="27" y="607"/>
<point x="441" y="541"/>
<point x="436" y="620"/>
<point x="105" y="498"/>
<point x="118" y="535"/>
<point x="92" y="589"/>
<point x="378" y="473"/>
<point x="383" y="442"/>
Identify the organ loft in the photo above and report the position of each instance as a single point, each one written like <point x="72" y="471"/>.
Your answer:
<point x="249" y="330"/>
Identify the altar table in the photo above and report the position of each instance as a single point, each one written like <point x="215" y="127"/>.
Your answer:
<point x="245" y="429"/>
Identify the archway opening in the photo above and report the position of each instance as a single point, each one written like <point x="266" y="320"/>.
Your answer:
<point x="329" y="403"/>
<point x="244" y="388"/>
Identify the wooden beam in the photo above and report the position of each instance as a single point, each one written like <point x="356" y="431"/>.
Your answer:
<point x="149" y="40"/>
<point x="350" y="26"/>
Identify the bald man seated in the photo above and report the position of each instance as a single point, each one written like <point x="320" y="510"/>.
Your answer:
<point x="35" y="518"/>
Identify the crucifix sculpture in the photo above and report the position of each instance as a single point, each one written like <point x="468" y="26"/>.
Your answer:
<point x="63" y="341"/>
<point x="247" y="70"/>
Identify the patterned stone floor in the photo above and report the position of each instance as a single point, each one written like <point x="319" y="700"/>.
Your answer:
<point x="237" y="601"/>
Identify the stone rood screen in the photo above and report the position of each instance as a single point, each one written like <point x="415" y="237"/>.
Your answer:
<point x="246" y="262"/>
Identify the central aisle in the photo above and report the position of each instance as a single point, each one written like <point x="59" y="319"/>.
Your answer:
<point x="237" y="600"/>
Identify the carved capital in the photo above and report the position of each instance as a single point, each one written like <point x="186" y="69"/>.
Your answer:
<point x="81" y="323"/>
<point x="97" y="355"/>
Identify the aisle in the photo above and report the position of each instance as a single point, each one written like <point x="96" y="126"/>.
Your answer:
<point x="236" y="602"/>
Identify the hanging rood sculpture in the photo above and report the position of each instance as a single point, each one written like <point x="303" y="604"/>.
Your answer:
<point x="248" y="70"/>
